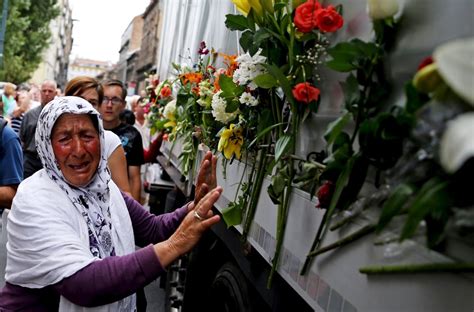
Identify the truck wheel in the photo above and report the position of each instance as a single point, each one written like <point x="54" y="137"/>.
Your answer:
<point x="230" y="291"/>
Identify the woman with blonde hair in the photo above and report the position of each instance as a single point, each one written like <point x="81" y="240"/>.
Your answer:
<point x="8" y="99"/>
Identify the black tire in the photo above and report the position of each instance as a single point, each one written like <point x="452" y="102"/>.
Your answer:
<point x="230" y="290"/>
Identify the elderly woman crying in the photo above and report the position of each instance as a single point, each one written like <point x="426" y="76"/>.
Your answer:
<point x="72" y="232"/>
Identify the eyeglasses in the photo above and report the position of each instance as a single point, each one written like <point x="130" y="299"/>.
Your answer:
<point x="114" y="100"/>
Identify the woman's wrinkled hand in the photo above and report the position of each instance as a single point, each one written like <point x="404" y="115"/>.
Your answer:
<point x="187" y="235"/>
<point x="206" y="179"/>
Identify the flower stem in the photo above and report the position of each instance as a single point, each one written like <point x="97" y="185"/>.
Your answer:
<point x="257" y="187"/>
<point x="315" y="244"/>
<point x="346" y="240"/>
<point x="242" y="178"/>
<point x="283" y="207"/>
<point x="283" y="210"/>
<point x="419" y="268"/>
<point x="345" y="220"/>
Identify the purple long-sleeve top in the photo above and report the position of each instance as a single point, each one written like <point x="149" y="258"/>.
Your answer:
<point x="108" y="280"/>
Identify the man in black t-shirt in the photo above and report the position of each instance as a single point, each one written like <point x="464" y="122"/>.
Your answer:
<point x="112" y="105"/>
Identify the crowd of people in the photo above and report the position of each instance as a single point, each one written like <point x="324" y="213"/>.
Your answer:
<point x="71" y="180"/>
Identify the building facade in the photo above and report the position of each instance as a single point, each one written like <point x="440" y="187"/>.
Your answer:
<point x="129" y="50"/>
<point x="147" y="59"/>
<point x="87" y="67"/>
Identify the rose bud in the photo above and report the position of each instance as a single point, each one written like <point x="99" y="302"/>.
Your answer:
<point x="324" y="194"/>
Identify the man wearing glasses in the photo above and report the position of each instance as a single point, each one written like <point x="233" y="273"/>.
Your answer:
<point x="113" y="103"/>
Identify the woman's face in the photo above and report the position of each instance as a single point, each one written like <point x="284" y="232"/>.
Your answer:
<point x="76" y="146"/>
<point x="91" y="96"/>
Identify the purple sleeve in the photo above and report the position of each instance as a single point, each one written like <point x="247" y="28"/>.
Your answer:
<point x="151" y="229"/>
<point x="111" y="279"/>
<point x="114" y="278"/>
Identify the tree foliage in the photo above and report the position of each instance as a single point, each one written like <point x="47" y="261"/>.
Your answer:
<point x="26" y="37"/>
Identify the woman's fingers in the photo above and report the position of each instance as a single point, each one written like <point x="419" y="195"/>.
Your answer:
<point x="211" y="221"/>
<point x="213" y="181"/>
<point x="200" y="192"/>
<point x="205" y="163"/>
<point x="207" y="202"/>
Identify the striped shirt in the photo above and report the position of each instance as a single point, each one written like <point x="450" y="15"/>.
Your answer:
<point x="16" y="123"/>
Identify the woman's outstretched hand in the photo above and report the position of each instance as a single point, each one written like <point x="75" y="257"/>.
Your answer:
<point x="206" y="179"/>
<point x="197" y="221"/>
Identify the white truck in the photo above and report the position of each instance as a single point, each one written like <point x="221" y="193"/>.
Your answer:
<point x="224" y="274"/>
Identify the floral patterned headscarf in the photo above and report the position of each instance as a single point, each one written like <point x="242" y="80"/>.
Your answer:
<point x="92" y="201"/>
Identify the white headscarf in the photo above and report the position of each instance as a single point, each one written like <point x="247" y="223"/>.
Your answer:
<point x="92" y="200"/>
<point x="56" y="229"/>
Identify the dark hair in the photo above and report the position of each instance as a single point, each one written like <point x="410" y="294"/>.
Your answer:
<point x="80" y="84"/>
<point x="127" y="117"/>
<point x="118" y="83"/>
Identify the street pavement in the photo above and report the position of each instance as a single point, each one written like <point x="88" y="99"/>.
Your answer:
<point x="154" y="294"/>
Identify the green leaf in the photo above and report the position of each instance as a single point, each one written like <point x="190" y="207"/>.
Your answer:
<point x="285" y="21"/>
<point x="341" y="65"/>
<point x="367" y="133"/>
<point x="232" y="105"/>
<point x="381" y="139"/>
<point x="236" y="22"/>
<point x="336" y="162"/>
<point x="415" y="99"/>
<point x="279" y="6"/>
<point x="346" y="52"/>
<point x="267" y="6"/>
<point x="276" y="188"/>
<point x="342" y="139"/>
<point x="351" y="91"/>
<point x="261" y="35"/>
<point x="341" y="154"/>
<point x="394" y="205"/>
<point x="282" y="145"/>
<point x="284" y="82"/>
<point x="246" y="40"/>
<point x="228" y="86"/>
<point x="251" y="20"/>
<point x="356" y="181"/>
<point x="367" y="50"/>
<point x="177" y="67"/>
<point x="348" y="56"/>
<point x="341" y="183"/>
<point x="265" y="81"/>
<point x="232" y="215"/>
<point x="433" y="196"/>
<point x="335" y="127"/>
<point x="264" y="132"/>
<point x="265" y="120"/>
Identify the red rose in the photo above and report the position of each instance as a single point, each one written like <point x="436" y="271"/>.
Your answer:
<point x="324" y="194"/>
<point x="305" y="15"/>
<point x="305" y="92"/>
<point x="165" y="92"/>
<point x="328" y="19"/>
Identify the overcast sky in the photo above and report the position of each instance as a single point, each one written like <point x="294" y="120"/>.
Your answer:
<point x="99" y="26"/>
